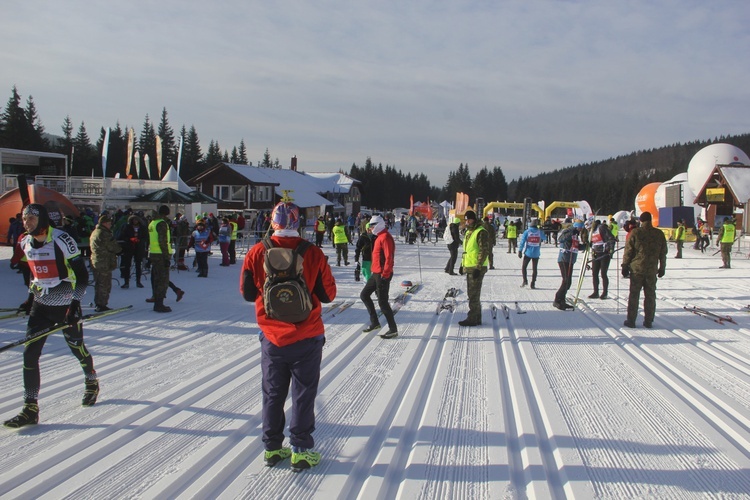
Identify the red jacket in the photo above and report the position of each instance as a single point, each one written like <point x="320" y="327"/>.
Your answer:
<point x="319" y="280"/>
<point x="383" y="253"/>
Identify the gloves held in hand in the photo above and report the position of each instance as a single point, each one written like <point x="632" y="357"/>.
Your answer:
<point x="461" y="270"/>
<point x="73" y="315"/>
<point x="660" y="273"/>
<point x="520" y="255"/>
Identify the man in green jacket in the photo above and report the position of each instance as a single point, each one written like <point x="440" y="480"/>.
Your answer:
<point x="726" y="240"/>
<point x="644" y="260"/>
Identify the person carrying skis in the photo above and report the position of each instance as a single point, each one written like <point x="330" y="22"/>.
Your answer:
<point x="602" y="244"/>
<point x="530" y="249"/>
<point x="291" y="353"/>
<point x="568" y="243"/>
<point x="59" y="281"/>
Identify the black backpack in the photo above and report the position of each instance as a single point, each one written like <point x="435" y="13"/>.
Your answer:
<point x="285" y="294"/>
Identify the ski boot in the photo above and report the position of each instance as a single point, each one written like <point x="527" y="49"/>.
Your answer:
<point x="90" y="393"/>
<point x="29" y="416"/>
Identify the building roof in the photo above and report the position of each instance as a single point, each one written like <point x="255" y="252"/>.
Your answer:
<point x="736" y="178"/>
<point x="304" y="188"/>
<point x="335" y="182"/>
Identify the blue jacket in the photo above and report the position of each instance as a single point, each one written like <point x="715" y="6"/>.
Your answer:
<point x="531" y="243"/>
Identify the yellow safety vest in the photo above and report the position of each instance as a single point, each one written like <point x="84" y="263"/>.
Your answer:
<point x="153" y="236"/>
<point x="511" y="230"/>
<point x="471" y="250"/>
<point x="728" y="236"/>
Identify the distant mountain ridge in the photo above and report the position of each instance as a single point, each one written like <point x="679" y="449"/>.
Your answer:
<point x="612" y="184"/>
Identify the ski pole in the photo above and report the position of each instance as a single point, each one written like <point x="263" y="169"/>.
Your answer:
<point x="60" y="326"/>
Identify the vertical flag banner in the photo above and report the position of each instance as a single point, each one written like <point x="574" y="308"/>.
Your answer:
<point x="105" y="150"/>
<point x="147" y="161"/>
<point x="179" y="157"/>
<point x="158" y="156"/>
<point x="136" y="163"/>
<point x="131" y="134"/>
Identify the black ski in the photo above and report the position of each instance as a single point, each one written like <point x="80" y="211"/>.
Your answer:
<point x="56" y="328"/>
<point x="718" y="318"/>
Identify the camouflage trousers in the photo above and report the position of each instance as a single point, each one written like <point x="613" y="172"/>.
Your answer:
<point x="102" y="287"/>
<point x="726" y="254"/>
<point x="648" y="283"/>
<point x="160" y="277"/>
<point x="474" y="293"/>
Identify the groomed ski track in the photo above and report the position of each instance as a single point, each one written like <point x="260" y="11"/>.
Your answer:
<point x="546" y="404"/>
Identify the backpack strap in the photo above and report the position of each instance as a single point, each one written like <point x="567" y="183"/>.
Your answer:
<point x="267" y="243"/>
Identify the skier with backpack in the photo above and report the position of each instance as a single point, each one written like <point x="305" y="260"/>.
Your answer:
<point x="288" y="278"/>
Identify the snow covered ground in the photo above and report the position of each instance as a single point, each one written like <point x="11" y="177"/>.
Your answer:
<point x="543" y="404"/>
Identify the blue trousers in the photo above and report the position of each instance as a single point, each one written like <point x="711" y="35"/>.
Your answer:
<point x="297" y="365"/>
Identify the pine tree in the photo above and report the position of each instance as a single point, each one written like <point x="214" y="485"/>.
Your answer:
<point x="35" y="131"/>
<point x="83" y="159"/>
<point x="168" y="144"/>
<point x="65" y="145"/>
<point x="192" y="156"/>
<point x="242" y="153"/>
<point x="214" y="154"/>
<point x="266" y="163"/>
<point x="15" y="124"/>
<point x="235" y="158"/>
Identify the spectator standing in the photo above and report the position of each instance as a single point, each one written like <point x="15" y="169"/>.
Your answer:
<point x="644" y="260"/>
<point x="291" y="353"/>
<point x="455" y="241"/>
<point x="134" y="240"/>
<point x="383" y="257"/>
<point x="104" y="251"/>
<point x="530" y="249"/>
<point x="474" y="264"/>
<point x="726" y="240"/>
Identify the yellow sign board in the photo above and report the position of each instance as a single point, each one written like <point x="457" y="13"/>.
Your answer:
<point x="715" y="195"/>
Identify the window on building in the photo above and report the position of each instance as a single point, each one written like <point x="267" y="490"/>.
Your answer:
<point x="229" y="193"/>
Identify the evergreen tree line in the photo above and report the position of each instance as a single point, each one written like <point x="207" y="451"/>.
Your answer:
<point x="608" y="185"/>
<point x="612" y="184"/>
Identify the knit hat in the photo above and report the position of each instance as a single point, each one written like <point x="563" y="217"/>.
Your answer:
<point x="470" y="214"/>
<point x="578" y="224"/>
<point x="40" y="212"/>
<point x="164" y="210"/>
<point x="285" y="215"/>
<point x="104" y="218"/>
<point x="534" y="222"/>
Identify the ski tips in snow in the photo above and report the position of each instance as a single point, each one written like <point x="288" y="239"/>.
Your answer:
<point x="448" y="303"/>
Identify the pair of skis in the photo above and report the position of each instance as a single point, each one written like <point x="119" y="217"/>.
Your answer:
<point x="506" y="310"/>
<point x="60" y="326"/>
<point x="718" y="318"/>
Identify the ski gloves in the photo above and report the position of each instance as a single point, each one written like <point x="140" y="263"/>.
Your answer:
<point x="625" y="271"/>
<point x="73" y="314"/>
<point x="26" y="306"/>
<point x="661" y="272"/>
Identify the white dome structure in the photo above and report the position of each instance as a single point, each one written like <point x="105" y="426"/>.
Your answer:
<point x="704" y="161"/>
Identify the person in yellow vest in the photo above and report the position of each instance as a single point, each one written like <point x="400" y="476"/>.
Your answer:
<point x="160" y="255"/>
<point x="474" y="264"/>
<point x="679" y="238"/>
<point x="320" y="231"/>
<point x="614" y="228"/>
<point x="511" y="232"/>
<point x="233" y="239"/>
<point x="341" y="241"/>
<point x="726" y="240"/>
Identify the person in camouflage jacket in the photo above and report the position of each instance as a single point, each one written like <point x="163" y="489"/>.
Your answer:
<point x="644" y="260"/>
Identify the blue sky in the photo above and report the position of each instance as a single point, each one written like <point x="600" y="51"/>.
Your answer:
<point x="423" y="86"/>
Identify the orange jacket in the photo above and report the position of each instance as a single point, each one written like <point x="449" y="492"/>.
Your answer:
<point x="318" y="277"/>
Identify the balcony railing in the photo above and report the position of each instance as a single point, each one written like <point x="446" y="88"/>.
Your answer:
<point x="91" y="187"/>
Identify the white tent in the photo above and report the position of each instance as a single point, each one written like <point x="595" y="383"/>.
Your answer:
<point x="172" y="176"/>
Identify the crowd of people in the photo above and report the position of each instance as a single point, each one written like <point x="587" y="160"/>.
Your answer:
<point x="291" y="351"/>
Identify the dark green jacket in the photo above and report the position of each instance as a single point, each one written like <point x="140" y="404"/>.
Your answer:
<point x="646" y="250"/>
